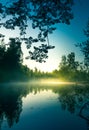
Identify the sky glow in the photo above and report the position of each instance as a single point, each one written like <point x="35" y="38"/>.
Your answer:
<point x="64" y="38"/>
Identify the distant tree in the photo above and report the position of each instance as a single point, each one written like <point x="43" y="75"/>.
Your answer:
<point x="68" y="63"/>
<point x="84" y="46"/>
<point x="42" y="15"/>
<point x="2" y="54"/>
<point x="13" y="55"/>
<point x="69" y="67"/>
<point x="63" y="63"/>
<point x="11" y="61"/>
<point x="63" y="66"/>
<point x="72" y="64"/>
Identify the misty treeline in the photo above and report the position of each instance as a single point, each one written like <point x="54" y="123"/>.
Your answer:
<point x="43" y="16"/>
<point x="71" y="70"/>
<point x="12" y="68"/>
<point x="11" y="63"/>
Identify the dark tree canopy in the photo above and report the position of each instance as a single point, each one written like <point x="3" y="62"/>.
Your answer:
<point x="84" y="46"/>
<point x="11" y="57"/>
<point x="68" y="63"/>
<point x="42" y="14"/>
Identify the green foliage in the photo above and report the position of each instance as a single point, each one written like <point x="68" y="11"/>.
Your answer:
<point x="71" y="70"/>
<point x="68" y="63"/>
<point x="41" y="14"/>
<point x="13" y="55"/>
<point x="11" y="61"/>
<point x="11" y="68"/>
<point x="63" y="63"/>
<point x="72" y="64"/>
<point x="84" y="46"/>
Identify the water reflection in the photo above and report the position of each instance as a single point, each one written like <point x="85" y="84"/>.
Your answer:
<point x="71" y="98"/>
<point x="11" y="103"/>
<point x="75" y="99"/>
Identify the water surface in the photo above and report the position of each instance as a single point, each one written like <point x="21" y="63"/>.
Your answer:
<point x="44" y="107"/>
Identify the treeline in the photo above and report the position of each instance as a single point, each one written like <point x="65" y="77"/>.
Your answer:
<point x="68" y="70"/>
<point x="11" y="58"/>
<point x="12" y="69"/>
<point x="71" y="70"/>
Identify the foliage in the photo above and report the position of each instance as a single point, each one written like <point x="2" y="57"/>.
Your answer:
<point x="63" y="63"/>
<point x="41" y="14"/>
<point x="11" y="68"/>
<point x="84" y="46"/>
<point x="69" y="63"/>
<point x="10" y="60"/>
<point x="72" y="64"/>
<point x="12" y="56"/>
<point x="71" y="70"/>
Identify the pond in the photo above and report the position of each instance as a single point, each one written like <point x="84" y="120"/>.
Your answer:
<point x="44" y="107"/>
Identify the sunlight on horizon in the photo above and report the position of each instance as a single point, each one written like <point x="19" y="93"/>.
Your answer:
<point x="49" y="82"/>
<point x="55" y="82"/>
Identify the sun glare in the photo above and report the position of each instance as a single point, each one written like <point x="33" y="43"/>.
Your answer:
<point x="54" y="81"/>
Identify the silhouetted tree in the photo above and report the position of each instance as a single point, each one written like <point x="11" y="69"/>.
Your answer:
<point x="63" y="62"/>
<point x="11" y="67"/>
<point x="70" y="69"/>
<point x="84" y="46"/>
<point x="68" y="63"/>
<point x="13" y="55"/>
<point x="2" y="53"/>
<point x="42" y="15"/>
<point x="72" y="64"/>
<point x="63" y="66"/>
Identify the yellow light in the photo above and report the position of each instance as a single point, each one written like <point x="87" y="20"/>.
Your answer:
<point x="54" y="81"/>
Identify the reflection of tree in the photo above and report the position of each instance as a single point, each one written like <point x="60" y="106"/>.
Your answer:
<point x="13" y="112"/>
<point x="71" y="98"/>
<point x="84" y="113"/>
<point x="11" y="103"/>
<point x="76" y="100"/>
<point x="1" y="117"/>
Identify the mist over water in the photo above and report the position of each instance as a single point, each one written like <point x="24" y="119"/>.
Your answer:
<point x="40" y="106"/>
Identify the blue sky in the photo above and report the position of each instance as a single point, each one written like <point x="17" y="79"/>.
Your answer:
<point x="64" y="38"/>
